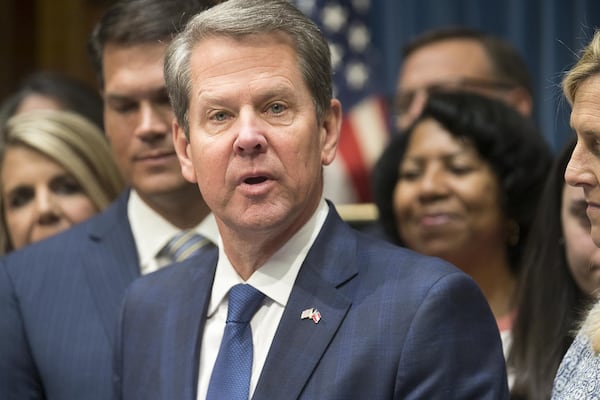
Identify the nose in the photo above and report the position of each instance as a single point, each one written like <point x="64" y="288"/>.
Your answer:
<point x="578" y="171"/>
<point x="433" y="184"/>
<point x="46" y="208"/>
<point x="250" y="139"/>
<point x="152" y="123"/>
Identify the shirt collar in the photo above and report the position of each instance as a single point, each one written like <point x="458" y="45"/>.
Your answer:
<point x="151" y="231"/>
<point x="276" y="277"/>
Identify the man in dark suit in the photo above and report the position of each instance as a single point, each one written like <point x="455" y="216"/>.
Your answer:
<point x="312" y="308"/>
<point x="59" y="299"/>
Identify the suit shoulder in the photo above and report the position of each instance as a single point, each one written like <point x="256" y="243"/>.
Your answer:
<point x="64" y="247"/>
<point x="380" y="254"/>
<point x="54" y="246"/>
<point x="172" y="276"/>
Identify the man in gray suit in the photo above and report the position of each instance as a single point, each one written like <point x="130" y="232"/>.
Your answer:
<point x="59" y="299"/>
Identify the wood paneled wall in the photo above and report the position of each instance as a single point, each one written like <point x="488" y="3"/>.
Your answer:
<point x="46" y="34"/>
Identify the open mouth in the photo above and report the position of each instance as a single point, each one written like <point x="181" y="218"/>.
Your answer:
<point x="255" y="180"/>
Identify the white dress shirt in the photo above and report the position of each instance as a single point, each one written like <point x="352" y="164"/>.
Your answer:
<point x="151" y="232"/>
<point x="275" y="279"/>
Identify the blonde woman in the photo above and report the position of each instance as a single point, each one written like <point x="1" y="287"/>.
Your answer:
<point x="578" y="376"/>
<point x="56" y="170"/>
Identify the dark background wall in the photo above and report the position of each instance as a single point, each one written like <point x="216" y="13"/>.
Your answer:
<point x="48" y="34"/>
<point x="547" y="32"/>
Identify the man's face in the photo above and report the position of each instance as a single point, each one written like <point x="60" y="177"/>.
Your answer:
<point x="449" y="64"/>
<point x="138" y="118"/>
<point x="256" y="147"/>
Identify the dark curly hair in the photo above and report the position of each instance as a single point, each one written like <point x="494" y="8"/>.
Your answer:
<point x="508" y="141"/>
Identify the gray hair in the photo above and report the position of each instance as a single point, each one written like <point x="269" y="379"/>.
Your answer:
<point x="240" y="18"/>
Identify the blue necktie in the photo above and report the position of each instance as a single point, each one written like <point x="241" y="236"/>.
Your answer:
<point x="230" y="379"/>
<point x="184" y="245"/>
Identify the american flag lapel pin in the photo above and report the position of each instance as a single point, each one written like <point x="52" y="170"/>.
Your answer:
<point x="311" y="313"/>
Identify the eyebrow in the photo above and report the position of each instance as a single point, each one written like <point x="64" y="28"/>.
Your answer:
<point x="155" y="94"/>
<point x="279" y="90"/>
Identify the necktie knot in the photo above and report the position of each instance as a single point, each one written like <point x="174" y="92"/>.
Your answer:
<point x="244" y="300"/>
<point x="183" y="245"/>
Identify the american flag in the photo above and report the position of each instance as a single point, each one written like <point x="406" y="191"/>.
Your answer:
<point x="311" y="313"/>
<point x="365" y="128"/>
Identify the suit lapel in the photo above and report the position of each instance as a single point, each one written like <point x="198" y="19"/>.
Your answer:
<point x="299" y="344"/>
<point x="183" y="338"/>
<point x="110" y="261"/>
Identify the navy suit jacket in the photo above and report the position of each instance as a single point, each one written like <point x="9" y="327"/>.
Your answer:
<point x="59" y="307"/>
<point x="395" y="325"/>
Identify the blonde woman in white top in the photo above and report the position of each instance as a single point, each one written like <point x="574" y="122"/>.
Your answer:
<point x="578" y="376"/>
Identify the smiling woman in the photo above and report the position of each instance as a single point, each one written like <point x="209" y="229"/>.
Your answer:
<point x="461" y="184"/>
<point x="56" y="170"/>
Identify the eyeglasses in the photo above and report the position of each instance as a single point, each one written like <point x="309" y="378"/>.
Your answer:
<point x="405" y="99"/>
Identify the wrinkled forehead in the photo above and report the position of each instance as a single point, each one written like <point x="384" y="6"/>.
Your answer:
<point x="251" y="56"/>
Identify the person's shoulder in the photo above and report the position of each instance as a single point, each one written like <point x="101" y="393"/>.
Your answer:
<point x="381" y="256"/>
<point x="64" y="245"/>
<point x="172" y="276"/>
<point x="389" y="268"/>
<point x="61" y="243"/>
<point x="578" y="368"/>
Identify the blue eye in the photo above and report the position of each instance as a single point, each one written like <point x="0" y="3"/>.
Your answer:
<point x="220" y="116"/>
<point x="277" y="108"/>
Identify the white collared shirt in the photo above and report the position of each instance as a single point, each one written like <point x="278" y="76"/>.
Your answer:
<point x="275" y="279"/>
<point x="151" y="232"/>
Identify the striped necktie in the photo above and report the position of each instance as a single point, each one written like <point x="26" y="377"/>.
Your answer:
<point x="183" y="245"/>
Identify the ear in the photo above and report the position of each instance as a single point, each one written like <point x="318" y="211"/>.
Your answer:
<point x="184" y="152"/>
<point x="331" y="127"/>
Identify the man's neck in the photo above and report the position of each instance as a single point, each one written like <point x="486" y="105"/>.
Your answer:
<point x="184" y="209"/>
<point x="248" y="250"/>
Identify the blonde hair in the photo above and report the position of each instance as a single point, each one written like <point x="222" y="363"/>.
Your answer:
<point x="591" y="327"/>
<point x="587" y="66"/>
<point x="72" y="141"/>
